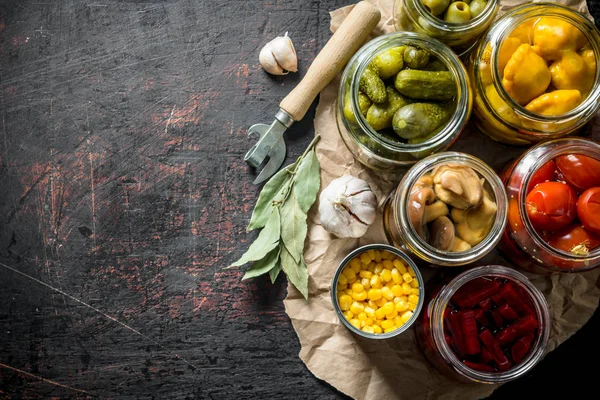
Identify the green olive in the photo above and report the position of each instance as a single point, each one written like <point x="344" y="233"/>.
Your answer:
<point x="477" y="7"/>
<point x="436" y="7"/>
<point x="458" y="13"/>
<point x="390" y="62"/>
<point x="380" y="116"/>
<point x="363" y="103"/>
<point x="415" y="57"/>
<point x="372" y="85"/>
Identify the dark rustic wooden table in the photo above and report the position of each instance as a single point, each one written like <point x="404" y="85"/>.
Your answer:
<point x="124" y="194"/>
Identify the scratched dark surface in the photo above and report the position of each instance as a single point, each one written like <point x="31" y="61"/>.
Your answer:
<point x="124" y="194"/>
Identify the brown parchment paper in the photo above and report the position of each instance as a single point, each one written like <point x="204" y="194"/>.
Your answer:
<point x="395" y="368"/>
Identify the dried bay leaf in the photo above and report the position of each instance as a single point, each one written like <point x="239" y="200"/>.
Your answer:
<point x="274" y="272"/>
<point x="308" y="181"/>
<point x="266" y="241"/>
<point x="263" y="265"/>
<point x="297" y="272"/>
<point x="293" y="227"/>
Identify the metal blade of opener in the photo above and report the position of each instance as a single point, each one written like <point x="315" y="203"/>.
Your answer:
<point x="276" y="158"/>
<point x="270" y="144"/>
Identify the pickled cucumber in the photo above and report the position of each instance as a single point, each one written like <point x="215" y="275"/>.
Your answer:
<point x="435" y="65"/>
<point x="363" y="103"/>
<point x="415" y="57"/>
<point x="379" y="116"/>
<point x="430" y="85"/>
<point x="420" y="119"/>
<point x="390" y="62"/>
<point x="372" y="85"/>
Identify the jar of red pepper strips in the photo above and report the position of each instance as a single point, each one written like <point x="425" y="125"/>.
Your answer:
<point x="489" y="324"/>
<point x="554" y="207"/>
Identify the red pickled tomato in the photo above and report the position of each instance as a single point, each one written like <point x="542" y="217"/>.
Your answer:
<point x="545" y="173"/>
<point x="579" y="171"/>
<point x="574" y="239"/>
<point x="588" y="209"/>
<point x="551" y="206"/>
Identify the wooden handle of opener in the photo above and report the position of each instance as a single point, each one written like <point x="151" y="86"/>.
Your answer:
<point x="351" y="34"/>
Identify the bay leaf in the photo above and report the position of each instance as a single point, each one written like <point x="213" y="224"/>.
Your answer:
<point x="267" y="240"/>
<point x="297" y="272"/>
<point x="293" y="227"/>
<point x="307" y="181"/>
<point x="263" y="265"/>
<point x="274" y="189"/>
<point x="274" y="272"/>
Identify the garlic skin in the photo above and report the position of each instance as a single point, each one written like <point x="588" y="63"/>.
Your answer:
<point x="278" y="57"/>
<point x="347" y="207"/>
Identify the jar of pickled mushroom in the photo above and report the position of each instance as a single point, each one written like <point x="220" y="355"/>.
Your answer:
<point x="403" y="96"/>
<point x="488" y="325"/>
<point x="536" y="75"/>
<point x="456" y="23"/>
<point x="554" y="207"/>
<point x="449" y="209"/>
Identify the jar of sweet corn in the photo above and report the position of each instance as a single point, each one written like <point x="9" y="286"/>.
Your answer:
<point x="402" y="97"/>
<point x="377" y="291"/>
<point x="489" y="324"/>
<point x="449" y="209"/>
<point x="456" y="23"/>
<point x="536" y="75"/>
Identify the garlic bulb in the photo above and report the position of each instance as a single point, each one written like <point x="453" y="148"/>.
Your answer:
<point x="347" y="207"/>
<point x="279" y="56"/>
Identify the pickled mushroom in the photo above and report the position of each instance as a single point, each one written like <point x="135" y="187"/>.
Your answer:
<point x="420" y="196"/>
<point x="441" y="233"/>
<point x="457" y="185"/>
<point x="474" y="224"/>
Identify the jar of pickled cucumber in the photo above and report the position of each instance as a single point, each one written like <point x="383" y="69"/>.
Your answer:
<point x="554" y="207"/>
<point x="449" y="209"/>
<point x="489" y="324"/>
<point x="456" y="23"/>
<point x="536" y="75"/>
<point x="402" y="97"/>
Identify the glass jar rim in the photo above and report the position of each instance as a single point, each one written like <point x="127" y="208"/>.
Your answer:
<point x="453" y="27"/>
<point x="370" y="50"/>
<point x="417" y="245"/>
<point x="505" y="26"/>
<point x="540" y="305"/>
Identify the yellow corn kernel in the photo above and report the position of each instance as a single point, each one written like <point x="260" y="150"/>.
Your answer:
<point x="407" y="277"/>
<point x="387" y="264"/>
<point x="348" y="292"/>
<point x="388" y="308"/>
<point x="344" y="301"/>
<point x="366" y="283"/>
<point x="377" y="322"/>
<point x="371" y="253"/>
<point x="378" y="268"/>
<point x="370" y="311"/>
<point x="413" y="299"/>
<point x="376" y="282"/>
<point x="348" y="315"/>
<point x="397" y="290"/>
<point x="362" y="296"/>
<point x="377" y="329"/>
<point x="390" y="284"/>
<point x="396" y="276"/>
<point x="392" y="315"/>
<point x="389" y="330"/>
<point x="387" y="324"/>
<point x="399" y="266"/>
<point x="348" y="272"/>
<point x="341" y="288"/>
<point x="365" y="274"/>
<point x="387" y="293"/>
<point x="398" y="322"/>
<point x="371" y="267"/>
<point x="411" y="272"/>
<point x="377" y="257"/>
<point x="406" y="288"/>
<point x="381" y="302"/>
<point x="355" y="322"/>
<point x="374" y="294"/>
<point x="366" y="322"/>
<point x="406" y="315"/>
<point x="414" y="283"/>
<point x="386" y="275"/>
<point x="365" y="258"/>
<point x="412" y="306"/>
<point x="342" y="279"/>
<point x="355" y="264"/>
<point x="362" y="316"/>
<point x="389" y="256"/>
<point x="368" y="329"/>
<point x="372" y="304"/>
<point x="352" y="279"/>
<point x="401" y="306"/>
<point x="356" y="308"/>
<point x="357" y="288"/>
<point x="380" y="314"/>
<point x="415" y="291"/>
<point x="396" y="299"/>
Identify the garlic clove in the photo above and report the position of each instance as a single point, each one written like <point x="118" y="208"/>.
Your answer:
<point x="278" y="57"/>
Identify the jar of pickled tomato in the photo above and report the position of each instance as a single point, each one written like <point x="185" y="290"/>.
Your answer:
<point x="554" y="207"/>
<point x="536" y="75"/>
<point x="489" y="325"/>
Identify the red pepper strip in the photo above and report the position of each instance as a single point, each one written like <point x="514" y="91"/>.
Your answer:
<point x="486" y="356"/>
<point x="468" y="299"/>
<point x="486" y="305"/>
<point x="521" y="348"/>
<point x="507" y="312"/>
<point x="492" y="345"/>
<point x="497" y="317"/>
<point x="480" y="317"/>
<point x="469" y="330"/>
<point x="479" y="367"/>
<point x="453" y="323"/>
<point x="522" y="327"/>
<point x="498" y="300"/>
<point x="511" y="297"/>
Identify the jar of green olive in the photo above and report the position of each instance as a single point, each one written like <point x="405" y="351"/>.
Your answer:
<point x="403" y="96"/>
<point x="536" y="74"/>
<point x="456" y="23"/>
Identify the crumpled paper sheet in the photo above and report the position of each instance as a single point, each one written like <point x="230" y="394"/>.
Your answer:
<point x="395" y="368"/>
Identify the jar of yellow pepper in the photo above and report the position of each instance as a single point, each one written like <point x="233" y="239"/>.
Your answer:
<point x="536" y="75"/>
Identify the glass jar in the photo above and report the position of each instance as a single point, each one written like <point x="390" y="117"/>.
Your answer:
<point x="520" y="241"/>
<point x="412" y="15"/>
<point x="431" y="332"/>
<point x="401" y="233"/>
<point x="380" y="152"/>
<point x="497" y="114"/>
